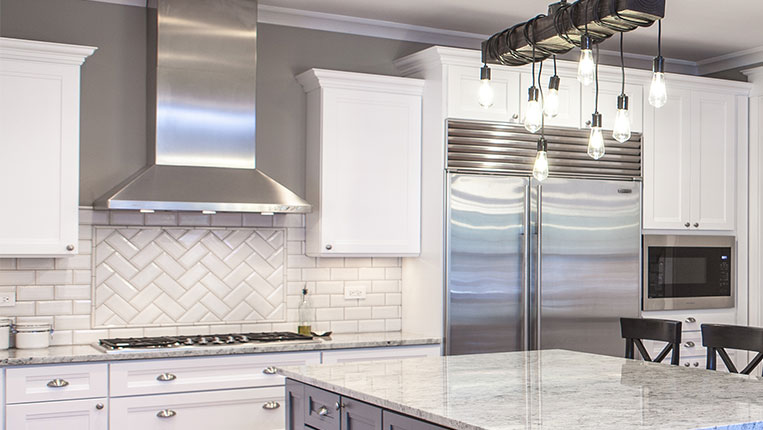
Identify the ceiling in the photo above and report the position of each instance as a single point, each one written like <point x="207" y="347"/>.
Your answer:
<point x="692" y="30"/>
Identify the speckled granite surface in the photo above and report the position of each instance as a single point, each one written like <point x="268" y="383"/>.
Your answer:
<point x="87" y="353"/>
<point x="551" y="389"/>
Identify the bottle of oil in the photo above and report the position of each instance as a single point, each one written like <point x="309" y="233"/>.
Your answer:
<point x="306" y="314"/>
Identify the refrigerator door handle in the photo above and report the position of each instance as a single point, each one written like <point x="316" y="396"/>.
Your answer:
<point x="539" y="258"/>
<point x="527" y="237"/>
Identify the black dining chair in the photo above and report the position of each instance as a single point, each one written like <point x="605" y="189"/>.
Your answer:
<point x="634" y="330"/>
<point x="717" y="337"/>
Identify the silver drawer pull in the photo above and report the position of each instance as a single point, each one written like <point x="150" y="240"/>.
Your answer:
<point x="696" y="364"/>
<point x="323" y="411"/>
<point x="271" y="405"/>
<point x="691" y="320"/>
<point x="689" y="344"/>
<point x="166" y="377"/>
<point x="58" y="383"/>
<point x="99" y="406"/>
<point x="270" y="370"/>
<point x="687" y="364"/>
<point x="166" y="413"/>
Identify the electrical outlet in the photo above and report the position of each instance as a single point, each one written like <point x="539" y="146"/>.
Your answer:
<point x="355" y="292"/>
<point x="7" y="299"/>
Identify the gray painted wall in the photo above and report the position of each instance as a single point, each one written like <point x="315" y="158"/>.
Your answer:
<point x="113" y="125"/>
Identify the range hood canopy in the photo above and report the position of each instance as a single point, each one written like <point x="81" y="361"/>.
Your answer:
<point x="201" y="85"/>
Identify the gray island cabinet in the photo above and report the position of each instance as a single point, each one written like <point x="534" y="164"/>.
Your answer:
<point x="549" y="389"/>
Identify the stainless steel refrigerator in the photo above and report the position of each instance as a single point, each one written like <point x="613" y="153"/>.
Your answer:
<point x="535" y="265"/>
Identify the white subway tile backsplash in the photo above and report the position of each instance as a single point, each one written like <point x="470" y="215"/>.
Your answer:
<point x="227" y="220"/>
<point x="71" y="322"/>
<point x="161" y="218"/>
<point x="344" y="274"/>
<point x="330" y="287"/>
<point x="35" y="292"/>
<point x="329" y="314"/>
<point x="17" y="277"/>
<point x="7" y="264"/>
<point x="21" y="309"/>
<point x="394" y="273"/>
<point x="54" y="277"/>
<point x="318" y="274"/>
<point x="330" y="262"/>
<point x="339" y="326"/>
<point x="358" y="262"/>
<point x="386" y="312"/>
<point x="35" y="263"/>
<point x="257" y="220"/>
<point x="367" y="326"/>
<point x="81" y="262"/>
<point x="371" y="273"/>
<point x="193" y="219"/>
<point x="126" y="218"/>
<point x="57" y="307"/>
<point x="358" y="313"/>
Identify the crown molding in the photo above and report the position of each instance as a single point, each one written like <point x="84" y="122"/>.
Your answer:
<point x="32" y="50"/>
<point x="733" y="60"/>
<point x="138" y="3"/>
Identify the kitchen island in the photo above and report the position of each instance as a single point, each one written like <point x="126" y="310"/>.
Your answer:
<point x="519" y="390"/>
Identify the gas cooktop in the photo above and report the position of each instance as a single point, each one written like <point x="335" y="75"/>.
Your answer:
<point x="228" y="339"/>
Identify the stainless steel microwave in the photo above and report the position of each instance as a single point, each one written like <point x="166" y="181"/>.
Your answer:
<point x="688" y="272"/>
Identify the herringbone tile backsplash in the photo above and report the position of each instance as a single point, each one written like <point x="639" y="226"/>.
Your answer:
<point x="182" y="273"/>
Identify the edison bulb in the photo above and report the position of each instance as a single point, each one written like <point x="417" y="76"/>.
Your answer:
<point x="533" y="116"/>
<point x="486" y="96"/>
<point x="540" y="168"/>
<point x="586" y="67"/>
<point x="658" y="92"/>
<point x="551" y="103"/>
<point x="621" y="132"/>
<point x="596" y="143"/>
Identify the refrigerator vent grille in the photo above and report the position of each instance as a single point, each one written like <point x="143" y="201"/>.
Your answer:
<point x="508" y="148"/>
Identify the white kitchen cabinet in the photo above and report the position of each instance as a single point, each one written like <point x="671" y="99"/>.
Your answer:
<point x="569" y="98"/>
<point x="90" y="414"/>
<point x="39" y="143"/>
<point x="375" y="354"/>
<point x="463" y="86"/>
<point x="363" y="164"/>
<point x="608" y="93"/>
<point x="689" y="152"/>
<point x="256" y="408"/>
<point x="56" y="382"/>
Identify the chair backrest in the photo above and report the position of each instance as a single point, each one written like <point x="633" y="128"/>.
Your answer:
<point x="634" y="330"/>
<point x="717" y="337"/>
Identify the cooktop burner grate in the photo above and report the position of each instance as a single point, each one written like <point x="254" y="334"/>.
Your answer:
<point x="199" y="340"/>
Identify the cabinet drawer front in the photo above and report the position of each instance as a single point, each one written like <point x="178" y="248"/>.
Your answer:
<point x="199" y="374"/>
<point x="229" y="410"/>
<point x="360" y="416"/>
<point x="386" y="353"/>
<point x="91" y="414"/>
<point x="393" y="421"/>
<point x="321" y="409"/>
<point x="65" y="382"/>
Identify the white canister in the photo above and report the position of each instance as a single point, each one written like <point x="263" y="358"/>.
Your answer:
<point x="5" y="333"/>
<point x="33" y="335"/>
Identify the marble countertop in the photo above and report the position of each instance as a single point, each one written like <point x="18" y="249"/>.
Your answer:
<point x="89" y="353"/>
<point x="549" y="389"/>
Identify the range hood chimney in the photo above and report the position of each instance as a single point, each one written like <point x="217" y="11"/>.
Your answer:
<point x="201" y="80"/>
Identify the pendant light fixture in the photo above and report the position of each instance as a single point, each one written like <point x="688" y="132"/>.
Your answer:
<point x="540" y="168"/>
<point x="596" y="138"/>
<point x="621" y="131"/>
<point x="658" y="94"/>
<point x="551" y="100"/>
<point x="586" y="63"/>
<point x="533" y="120"/>
<point x="486" y="96"/>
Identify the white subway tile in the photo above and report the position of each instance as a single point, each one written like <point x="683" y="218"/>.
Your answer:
<point x="227" y="220"/>
<point x="191" y="330"/>
<point x="373" y="299"/>
<point x="81" y="337"/>
<point x="64" y="292"/>
<point x="80" y="307"/>
<point x="329" y="314"/>
<point x="319" y="301"/>
<point x="288" y="220"/>
<point x="193" y="219"/>
<point x="126" y="218"/>
<point x="126" y="332"/>
<point x="395" y="324"/>
<point x="394" y="273"/>
<point x="394" y="299"/>
<point x="371" y="273"/>
<point x="330" y="262"/>
<point x="17" y="277"/>
<point x="294" y="247"/>
<point x="58" y="307"/>
<point x="85" y="247"/>
<point x="386" y="286"/>
<point x="318" y="274"/>
<point x="338" y="301"/>
<point x="80" y="262"/>
<point x="358" y="262"/>
<point x="161" y="218"/>
<point x="85" y="232"/>
<point x="21" y="309"/>
<point x="301" y="261"/>
<point x="61" y="337"/>
<point x="256" y="327"/>
<point x="370" y="326"/>
<point x="386" y="312"/>
<point x="257" y="220"/>
<point x="35" y="263"/>
<point x="295" y="234"/>
<point x="330" y="287"/>
<point x="359" y="313"/>
<point x="7" y="264"/>
<point x="82" y="276"/>
<point x="71" y="322"/>
<point x="54" y="277"/>
<point x="344" y="326"/>
<point x="386" y="262"/>
<point x="346" y="274"/>
<point x="294" y="274"/>
<point x="31" y="292"/>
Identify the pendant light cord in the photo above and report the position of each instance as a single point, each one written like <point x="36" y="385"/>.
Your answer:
<point x="542" y="101"/>
<point x="596" y="80"/>
<point x="554" y="65"/>
<point x="622" y="63"/>
<point x="659" y="38"/>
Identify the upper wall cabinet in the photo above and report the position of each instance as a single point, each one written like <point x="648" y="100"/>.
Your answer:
<point x="464" y="84"/>
<point x="39" y="147"/>
<point x="363" y="164"/>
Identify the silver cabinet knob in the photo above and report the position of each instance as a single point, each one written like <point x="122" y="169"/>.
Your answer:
<point x="338" y="405"/>
<point x="687" y="225"/>
<point x="696" y="224"/>
<point x="329" y="247"/>
<point x="687" y="364"/>
<point x="166" y="413"/>
<point x="271" y="405"/>
<point x="515" y="116"/>
<point x="58" y="383"/>
<point x="689" y="344"/>
<point x="323" y="411"/>
<point x="99" y="406"/>
<point x="70" y="247"/>
<point x="270" y="370"/>
<point x="691" y="320"/>
<point x="696" y="364"/>
<point x="164" y="377"/>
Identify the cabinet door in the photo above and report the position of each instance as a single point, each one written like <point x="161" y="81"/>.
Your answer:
<point x="608" y="93"/>
<point x="393" y="421"/>
<point x="713" y="160"/>
<point x="295" y="405"/>
<point x="257" y="408"/>
<point x="463" y="87"/>
<point x="370" y="174"/>
<point x="39" y="166"/>
<point x="92" y="414"/>
<point x="569" y="98"/>
<point x="666" y="148"/>
<point x="360" y="416"/>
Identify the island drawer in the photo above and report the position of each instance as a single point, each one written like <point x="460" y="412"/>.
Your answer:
<point x="59" y="382"/>
<point x="166" y="376"/>
<point x="321" y="409"/>
<point x="393" y="421"/>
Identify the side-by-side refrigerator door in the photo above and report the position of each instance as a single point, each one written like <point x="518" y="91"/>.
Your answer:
<point x="486" y="250"/>
<point x="590" y="237"/>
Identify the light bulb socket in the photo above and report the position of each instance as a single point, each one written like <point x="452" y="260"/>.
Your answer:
<point x="658" y="65"/>
<point x="542" y="144"/>
<point x="485" y="73"/>
<point x="585" y="42"/>
<point x="622" y="102"/>
<point x="553" y="83"/>
<point x="596" y="120"/>
<point x="532" y="94"/>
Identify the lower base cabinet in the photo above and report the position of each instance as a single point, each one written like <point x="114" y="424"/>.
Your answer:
<point x="90" y="414"/>
<point x="393" y="421"/>
<point x="231" y="409"/>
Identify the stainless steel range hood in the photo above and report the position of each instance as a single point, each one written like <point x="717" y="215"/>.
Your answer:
<point x="202" y="67"/>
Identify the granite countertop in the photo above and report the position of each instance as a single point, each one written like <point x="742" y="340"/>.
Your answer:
<point x="89" y="353"/>
<point x="550" y="389"/>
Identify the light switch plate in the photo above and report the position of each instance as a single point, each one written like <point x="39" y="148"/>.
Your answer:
<point x="7" y="298"/>
<point x="355" y="292"/>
